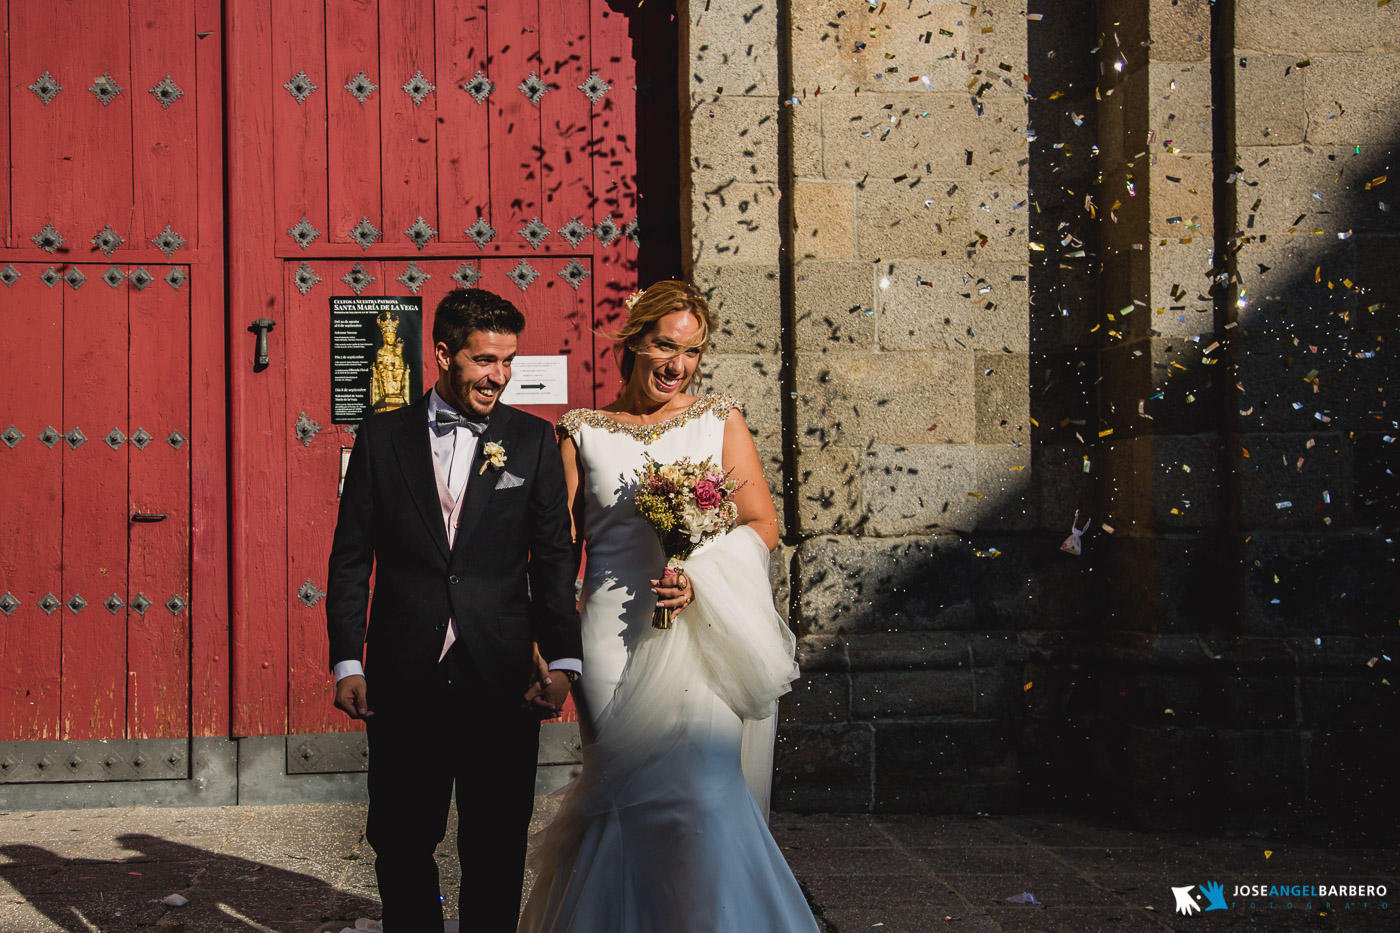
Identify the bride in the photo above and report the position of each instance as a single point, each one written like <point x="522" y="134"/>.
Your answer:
<point x="664" y="829"/>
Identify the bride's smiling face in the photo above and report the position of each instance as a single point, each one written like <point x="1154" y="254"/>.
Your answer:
<point x="667" y="355"/>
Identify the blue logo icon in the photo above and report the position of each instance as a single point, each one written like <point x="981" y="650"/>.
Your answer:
<point x="1188" y="903"/>
<point x="1215" y="896"/>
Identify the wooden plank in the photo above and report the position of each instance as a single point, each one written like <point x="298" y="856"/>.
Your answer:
<point x="299" y="128"/>
<point x="209" y="584"/>
<point x="409" y="129"/>
<point x="464" y="168"/>
<point x="31" y="536"/>
<point x="94" y="509"/>
<point x="352" y="129"/>
<point x="46" y="179"/>
<point x="614" y="180"/>
<point x="165" y="186"/>
<point x="313" y="473"/>
<point x="158" y="640"/>
<point x="103" y="154"/>
<point x="513" y="32"/>
<point x="258" y="406"/>
<point x="12" y="87"/>
<point x="566" y="175"/>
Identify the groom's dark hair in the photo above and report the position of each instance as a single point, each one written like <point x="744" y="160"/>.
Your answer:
<point x="464" y="310"/>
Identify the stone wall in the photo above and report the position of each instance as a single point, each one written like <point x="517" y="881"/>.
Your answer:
<point x="981" y="268"/>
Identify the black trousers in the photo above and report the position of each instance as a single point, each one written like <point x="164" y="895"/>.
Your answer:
<point x="419" y="747"/>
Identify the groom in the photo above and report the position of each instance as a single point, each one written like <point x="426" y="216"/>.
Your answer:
<point x="457" y="503"/>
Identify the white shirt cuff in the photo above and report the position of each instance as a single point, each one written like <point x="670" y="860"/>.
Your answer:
<point x="344" y="669"/>
<point x="567" y="664"/>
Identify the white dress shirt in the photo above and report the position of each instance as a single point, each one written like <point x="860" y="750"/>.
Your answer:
<point x="453" y="454"/>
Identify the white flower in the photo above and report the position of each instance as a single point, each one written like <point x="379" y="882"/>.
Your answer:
<point x="495" y="456"/>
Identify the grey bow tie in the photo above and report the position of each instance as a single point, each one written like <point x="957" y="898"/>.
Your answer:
<point x="447" y="419"/>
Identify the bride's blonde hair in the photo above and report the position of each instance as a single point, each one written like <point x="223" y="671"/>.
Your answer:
<point x="649" y="306"/>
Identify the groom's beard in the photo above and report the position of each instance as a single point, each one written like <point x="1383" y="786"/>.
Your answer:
<point x="467" y="400"/>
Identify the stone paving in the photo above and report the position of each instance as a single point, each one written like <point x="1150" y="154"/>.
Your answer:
<point x="299" y="869"/>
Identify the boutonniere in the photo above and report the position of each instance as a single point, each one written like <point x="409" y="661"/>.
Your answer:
<point x="495" y="456"/>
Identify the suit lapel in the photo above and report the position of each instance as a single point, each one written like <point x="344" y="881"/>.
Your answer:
<point x="481" y="485"/>
<point x="415" y="457"/>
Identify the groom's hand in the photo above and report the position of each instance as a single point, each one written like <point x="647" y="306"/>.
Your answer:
<point x="351" y="696"/>
<point x="547" y="697"/>
<point x="548" y="689"/>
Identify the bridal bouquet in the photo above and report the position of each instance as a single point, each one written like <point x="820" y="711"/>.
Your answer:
<point x="686" y="504"/>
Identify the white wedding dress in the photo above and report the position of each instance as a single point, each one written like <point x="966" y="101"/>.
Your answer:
<point x="661" y="833"/>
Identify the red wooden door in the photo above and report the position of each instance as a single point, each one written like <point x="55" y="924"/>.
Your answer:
<point x="112" y="575"/>
<point x="399" y="148"/>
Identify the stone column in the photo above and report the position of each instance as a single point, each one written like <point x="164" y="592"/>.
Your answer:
<point x="1158" y="461"/>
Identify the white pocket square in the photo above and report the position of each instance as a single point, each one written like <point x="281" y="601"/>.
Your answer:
<point x="509" y="481"/>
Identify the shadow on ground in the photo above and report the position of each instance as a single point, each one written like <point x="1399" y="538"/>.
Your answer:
<point x="224" y="891"/>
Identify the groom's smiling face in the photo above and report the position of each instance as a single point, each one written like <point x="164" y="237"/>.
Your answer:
<point x="472" y="378"/>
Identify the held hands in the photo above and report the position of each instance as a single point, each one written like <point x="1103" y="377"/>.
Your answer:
<point x="673" y="590"/>
<point x="351" y="697"/>
<point x="548" y="689"/>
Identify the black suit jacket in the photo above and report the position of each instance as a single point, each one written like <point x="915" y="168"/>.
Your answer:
<point x="508" y="580"/>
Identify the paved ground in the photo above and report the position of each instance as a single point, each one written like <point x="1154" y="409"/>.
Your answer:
<point x="299" y="869"/>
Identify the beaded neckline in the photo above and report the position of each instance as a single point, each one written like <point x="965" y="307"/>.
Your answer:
<point x="721" y="405"/>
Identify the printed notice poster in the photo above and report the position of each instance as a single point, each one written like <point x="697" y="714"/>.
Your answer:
<point x="376" y="355"/>
<point x="538" y="380"/>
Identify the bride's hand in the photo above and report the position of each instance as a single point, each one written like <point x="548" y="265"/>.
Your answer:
<point x="674" y="590"/>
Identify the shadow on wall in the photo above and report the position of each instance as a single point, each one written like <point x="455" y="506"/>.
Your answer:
<point x="222" y="890"/>
<point x="1220" y="660"/>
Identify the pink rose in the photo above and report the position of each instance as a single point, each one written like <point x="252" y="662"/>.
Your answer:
<point x="707" y="495"/>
